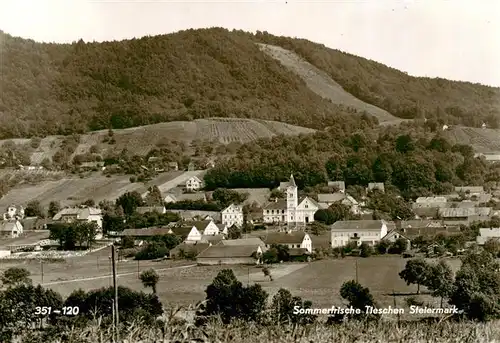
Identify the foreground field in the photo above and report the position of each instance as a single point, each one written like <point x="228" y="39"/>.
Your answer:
<point x="70" y="191"/>
<point x="185" y="283"/>
<point x="140" y="140"/>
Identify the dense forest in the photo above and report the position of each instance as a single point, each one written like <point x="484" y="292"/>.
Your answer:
<point x="410" y="160"/>
<point x="73" y="88"/>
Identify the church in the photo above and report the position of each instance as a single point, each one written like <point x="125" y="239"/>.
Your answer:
<point x="291" y="210"/>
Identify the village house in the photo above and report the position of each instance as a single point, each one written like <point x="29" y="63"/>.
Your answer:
<point x="173" y="166"/>
<point x="232" y="215"/>
<point x="205" y="231"/>
<point x="14" y="212"/>
<point x="255" y="241"/>
<point x="230" y="254"/>
<point x="393" y="235"/>
<point x="375" y="186"/>
<point x="297" y="242"/>
<point x="151" y="209"/>
<point x="486" y="234"/>
<point x="359" y="231"/>
<point x="491" y="157"/>
<point x="185" y="250"/>
<point x="292" y="210"/>
<point x="74" y="214"/>
<point x="146" y="232"/>
<point x="87" y="166"/>
<point x="325" y="200"/>
<point x="194" y="184"/>
<point x="11" y="229"/>
<point x="339" y="185"/>
<point x="430" y="202"/>
<point x="464" y="216"/>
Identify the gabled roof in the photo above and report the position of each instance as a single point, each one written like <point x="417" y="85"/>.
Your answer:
<point x="244" y="241"/>
<point x="331" y="197"/>
<point x="464" y="212"/>
<point x="276" y="205"/>
<point x="214" y="239"/>
<point x="201" y="225"/>
<point x="190" y="215"/>
<point x="376" y="185"/>
<point x="430" y="199"/>
<point x="294" y="237"/>
<point x="225" y="251"/>
<point x="356" y="225"/>
<point x="182" y="230"/>
<point x="194" y="178"/>
<point x="80" y="213"/>
<point x="233" y="207"/>
<point x="395" y="232"/>
<point x="405" y="224"/>
<point x="196" y="248"/>
<point x="290" y="183"/>
<point x="148" y="232"/>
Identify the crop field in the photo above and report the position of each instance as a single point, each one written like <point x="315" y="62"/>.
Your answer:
<point x="71" y="191"/>
<point x="482" y="140"/>
<point x="322" y="84"/>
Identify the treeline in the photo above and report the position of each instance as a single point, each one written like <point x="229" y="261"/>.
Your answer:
<point x="73" y="88"/>
<point x="411" y="163"/>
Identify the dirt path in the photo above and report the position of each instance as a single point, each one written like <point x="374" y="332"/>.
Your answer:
<point x="110" y="275"/>
<point x="323" y="85"/>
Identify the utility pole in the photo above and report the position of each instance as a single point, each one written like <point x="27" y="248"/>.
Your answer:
<point x="115" y="286"/>
<point x="41" y="267"/>
<point x="356" y="270"/>
<point x="138" y="271"/>
<point x="395" y="305"/>
<point x="97" y="262"/>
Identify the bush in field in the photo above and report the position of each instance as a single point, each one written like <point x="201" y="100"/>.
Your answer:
<point x="366" y="250"/>
<point x="284" y="308"/>
<point x="15" y="276"/>
<point x="359" y="297"/>
<point x="229" y="299"/>
<point x="476" y="289"/>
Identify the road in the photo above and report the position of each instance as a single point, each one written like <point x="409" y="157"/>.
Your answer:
<point x="110" y="275"/>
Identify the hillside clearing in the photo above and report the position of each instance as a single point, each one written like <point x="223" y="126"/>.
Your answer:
<point x="481" y="140"/>
<point x="323" y="85"/>
<point x="71" y="191"/>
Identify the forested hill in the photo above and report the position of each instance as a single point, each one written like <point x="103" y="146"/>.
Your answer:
<point x="67" y="88"/>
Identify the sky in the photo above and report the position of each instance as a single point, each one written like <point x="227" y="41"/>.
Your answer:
<point x="453" y="39"/>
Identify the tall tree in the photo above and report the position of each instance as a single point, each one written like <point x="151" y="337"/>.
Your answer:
<point x="150" y="278"/>
<point x="417" y="271"/>
<point x="154" y="197"/>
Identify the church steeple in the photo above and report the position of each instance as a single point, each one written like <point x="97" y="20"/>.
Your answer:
<point x="292" y="181"/>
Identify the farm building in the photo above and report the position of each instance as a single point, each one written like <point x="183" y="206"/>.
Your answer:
<point x="70" y="215"/>
<point x="86" y="166"/>
<point x="486" y="234"/>
<point x="458" y="216"/>
<point x="151" y="209"/>
<point x="359" y="231"/>
<point x="232" y="215"/>
<point x="11" y="229"/>
<point x="173" y="166"/>
<point x="375" y="186"/>
<point x="254" y="241"/>
<point x="291" y="239"/>
<point x="35" y="223"/>
<point x="329" y="199"/>
<point x="230" y="254"/>
<point x="146" y="232"/>
<point x="194" y="184"/>
<point x="491" y="157"/>
<point x="339" y="185"/>
<point x="321" y="242"/>
<point x="257" y="196"/>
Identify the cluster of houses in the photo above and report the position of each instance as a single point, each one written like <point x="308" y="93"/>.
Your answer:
<point x="205" y="234"/>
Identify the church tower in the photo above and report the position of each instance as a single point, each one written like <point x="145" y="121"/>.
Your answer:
<point x="292" y="200"/>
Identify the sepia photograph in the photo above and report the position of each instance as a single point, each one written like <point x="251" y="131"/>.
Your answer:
<point x="249" y="171"/>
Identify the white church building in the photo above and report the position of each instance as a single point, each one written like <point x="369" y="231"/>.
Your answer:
<point x="291" y="210"/>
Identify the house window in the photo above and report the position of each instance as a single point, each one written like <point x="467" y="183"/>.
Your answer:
<point x="306" y="206"/>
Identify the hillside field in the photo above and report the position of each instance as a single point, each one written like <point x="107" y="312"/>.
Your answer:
<point x="481" y="140"/>
<point x="140" y="140"/>
<point x="71" y="191"/>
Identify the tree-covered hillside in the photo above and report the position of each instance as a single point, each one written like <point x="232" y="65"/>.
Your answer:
<point x="67" y="88"/>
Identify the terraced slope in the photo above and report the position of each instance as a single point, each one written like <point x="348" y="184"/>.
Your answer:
<point x="482" y="140"/>
<point x="323" y="85"/>
<point x="140" y="140"/>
